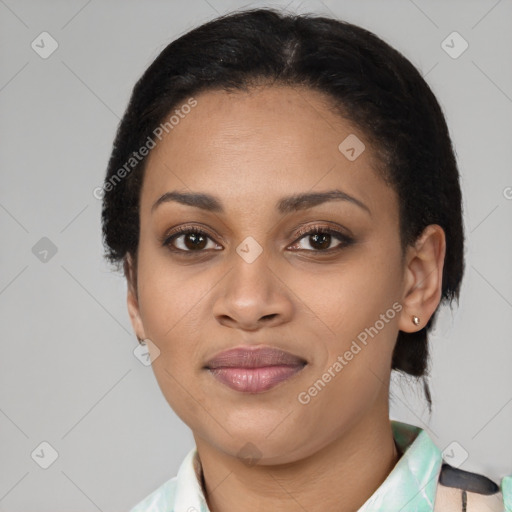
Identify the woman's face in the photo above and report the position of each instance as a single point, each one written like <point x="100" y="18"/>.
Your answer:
<point x="255" y="280"/>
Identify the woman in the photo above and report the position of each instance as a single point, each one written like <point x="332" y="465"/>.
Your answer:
<point x="284" y="200"/>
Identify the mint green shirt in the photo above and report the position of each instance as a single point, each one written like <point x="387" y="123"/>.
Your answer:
<point x="410" y="486"/>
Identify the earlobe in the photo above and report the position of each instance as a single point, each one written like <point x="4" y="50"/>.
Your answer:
<point x="132" y="300"/>
<point x="423" y="279"/>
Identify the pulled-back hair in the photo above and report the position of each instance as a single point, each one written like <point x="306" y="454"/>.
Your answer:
<point x="371" y="84"/>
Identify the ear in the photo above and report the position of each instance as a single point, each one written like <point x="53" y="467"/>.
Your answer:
<point x="132" y="300"/>
<point x="423" y="278"/>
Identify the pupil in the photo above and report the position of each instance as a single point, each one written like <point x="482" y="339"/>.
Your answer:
<point x="325" y="236"/>
<point x="196" y="241"/>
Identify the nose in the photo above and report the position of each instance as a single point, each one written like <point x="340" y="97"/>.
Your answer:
<point x="253" y="296"/>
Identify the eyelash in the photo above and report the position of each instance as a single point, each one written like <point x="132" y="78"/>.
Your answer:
<point x="302" y="233"/>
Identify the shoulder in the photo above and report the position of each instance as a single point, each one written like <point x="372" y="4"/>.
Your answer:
<point x="463" y="491"/>
<point x="160" y="500"/>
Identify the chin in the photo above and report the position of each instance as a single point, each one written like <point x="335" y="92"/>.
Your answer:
<point x="254" y="447"/>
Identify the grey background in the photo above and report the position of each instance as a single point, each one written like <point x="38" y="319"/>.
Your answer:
<point x="68" y="375"/>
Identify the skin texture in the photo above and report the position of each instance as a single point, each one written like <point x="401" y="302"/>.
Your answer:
<point x="250" y="149"/>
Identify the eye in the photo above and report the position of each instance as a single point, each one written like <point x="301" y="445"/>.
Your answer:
<point x="321" y="238"/>
<point x="194" y="240"/>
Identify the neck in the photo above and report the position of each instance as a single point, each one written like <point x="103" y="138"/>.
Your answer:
<point x="340" y="476"/>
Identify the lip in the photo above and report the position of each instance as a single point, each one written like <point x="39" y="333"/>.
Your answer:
<point x="254" y="370"/>
<point x="257" y="357"/>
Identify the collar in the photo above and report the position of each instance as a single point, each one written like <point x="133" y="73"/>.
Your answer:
<point x="411" y="485"/>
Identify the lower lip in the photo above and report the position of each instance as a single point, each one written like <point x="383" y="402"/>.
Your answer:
<point x="254" y="380"/>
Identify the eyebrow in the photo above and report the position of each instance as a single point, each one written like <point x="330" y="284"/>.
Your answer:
<point x="284" y="205"/>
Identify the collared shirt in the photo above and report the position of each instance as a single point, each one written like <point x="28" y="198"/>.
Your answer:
<point x="410" y="486"/>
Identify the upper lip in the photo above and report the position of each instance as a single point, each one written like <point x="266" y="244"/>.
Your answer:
<point x="257" y="357"/>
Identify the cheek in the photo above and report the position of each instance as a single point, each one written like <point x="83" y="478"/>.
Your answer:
<point x="170" y="304"/>
<point x="359" y="305"/>
<point x="352" y="295"/>
<point x="169" y="295"/>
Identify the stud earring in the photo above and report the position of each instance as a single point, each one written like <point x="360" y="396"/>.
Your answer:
<point x="415" y="320"/>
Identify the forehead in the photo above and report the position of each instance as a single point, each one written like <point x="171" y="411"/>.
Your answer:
<point x="249" y="146"/>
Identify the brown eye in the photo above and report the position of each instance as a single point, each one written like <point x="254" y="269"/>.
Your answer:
<point x="188" y="240"/>
<point x="194" y="241"/>
<point x="320" y="239"/>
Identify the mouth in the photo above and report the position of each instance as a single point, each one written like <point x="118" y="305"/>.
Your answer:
<point x="254" y="370"/>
